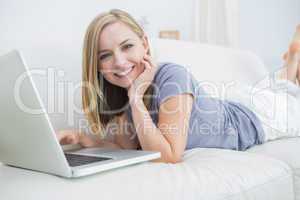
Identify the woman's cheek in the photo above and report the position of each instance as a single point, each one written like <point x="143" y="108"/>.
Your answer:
<point x="137" y="56"/>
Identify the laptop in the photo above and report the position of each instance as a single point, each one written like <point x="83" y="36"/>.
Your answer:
<point x="28" y="140"/>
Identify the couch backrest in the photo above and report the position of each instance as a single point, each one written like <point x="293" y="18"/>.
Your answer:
<point x="209" y="62"/>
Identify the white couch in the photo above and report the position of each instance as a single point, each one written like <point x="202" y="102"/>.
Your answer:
<point x="268" y="171"/>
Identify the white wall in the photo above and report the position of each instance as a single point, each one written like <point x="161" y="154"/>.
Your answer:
<point x="50" y="31"/>
<point x="267" y="27"/>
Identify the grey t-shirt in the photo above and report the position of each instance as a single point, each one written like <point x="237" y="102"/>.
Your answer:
<point x="214" y="123"/>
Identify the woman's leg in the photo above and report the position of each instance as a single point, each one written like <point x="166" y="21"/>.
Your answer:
<point x="283" y="97"/>
<point x="291" y="70"/>
<point x="278" y="108"/>
<point x="275" y="103"/>
<point x="276" y="99"/>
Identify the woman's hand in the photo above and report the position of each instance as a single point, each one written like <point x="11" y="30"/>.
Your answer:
<point x="138" y="88"/>
<point x="75" y="137"/>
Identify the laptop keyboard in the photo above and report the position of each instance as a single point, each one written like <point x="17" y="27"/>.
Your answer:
<point x="78" y="160"/>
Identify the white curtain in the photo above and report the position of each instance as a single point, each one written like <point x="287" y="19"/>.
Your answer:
<point x="217" y="22"/>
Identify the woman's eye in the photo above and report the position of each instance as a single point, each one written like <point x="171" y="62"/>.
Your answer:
<point x="127" y="46"/>
<point x="103" y="56"/>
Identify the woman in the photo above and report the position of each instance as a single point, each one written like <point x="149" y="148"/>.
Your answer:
<point x="157" y="107"/>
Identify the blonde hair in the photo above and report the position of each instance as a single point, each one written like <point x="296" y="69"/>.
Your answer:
<point x="98" y="95"/>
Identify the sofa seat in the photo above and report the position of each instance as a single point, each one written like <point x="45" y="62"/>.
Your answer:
<point x="209" y="174"/>
<point x="287" y="150"/>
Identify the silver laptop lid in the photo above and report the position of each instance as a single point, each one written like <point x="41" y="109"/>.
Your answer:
<point x="27" y="138"/>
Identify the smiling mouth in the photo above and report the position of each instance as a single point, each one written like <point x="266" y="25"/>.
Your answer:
<point x="124" y="73"/>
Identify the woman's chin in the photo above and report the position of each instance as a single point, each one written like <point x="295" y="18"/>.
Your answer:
<point x="126" y="84"/>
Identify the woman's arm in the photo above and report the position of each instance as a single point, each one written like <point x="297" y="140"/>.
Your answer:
<point x="123" y="137"/>
<point x="170" y="135"/>
<point x="122" y="132"/>
<point x="78" y="137"/>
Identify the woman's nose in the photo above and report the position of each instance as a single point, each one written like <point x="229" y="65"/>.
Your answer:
<point x="120" y="61"/>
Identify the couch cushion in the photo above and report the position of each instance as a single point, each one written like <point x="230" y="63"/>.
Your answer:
<point x="287" y="150"/>
<point x="210" y="174"/>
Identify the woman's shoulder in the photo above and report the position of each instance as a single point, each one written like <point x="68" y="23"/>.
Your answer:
<point x="166" y="66"/>
<point x="168" y="69"/>
<point x="173" y="79"/>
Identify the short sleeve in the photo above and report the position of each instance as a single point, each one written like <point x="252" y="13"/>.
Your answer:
<point x="172" y="80"/>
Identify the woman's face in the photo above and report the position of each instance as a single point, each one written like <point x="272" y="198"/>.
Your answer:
<point x="120" y="54"/>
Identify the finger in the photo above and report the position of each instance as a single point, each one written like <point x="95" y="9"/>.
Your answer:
<point x="151" y="62"/>
<point x="71" y="140"/>
<point x="146" y="64"/>
<point x="147" y="56"/>
<point x="285" y="56"/>
<point x="149" y="59"/>
<point x="86" y="142"/>
<point x="65" y="137"/>
<point x="65" y="141"/>
<point x="60" y="135"/>
<point x="154" y="67"/>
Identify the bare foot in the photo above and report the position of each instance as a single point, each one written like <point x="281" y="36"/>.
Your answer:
<point x="297" y="38"/>
<point x="292" y="64"/>
<point x="292" y="59"/>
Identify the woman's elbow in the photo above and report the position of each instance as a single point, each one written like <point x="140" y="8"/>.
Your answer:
<point x="174" y="159"/>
